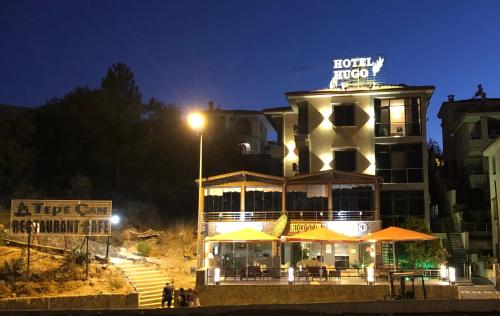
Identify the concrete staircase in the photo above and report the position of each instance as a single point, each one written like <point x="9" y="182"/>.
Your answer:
<point x="458" y="254"/>
<point x="148" y="281"/>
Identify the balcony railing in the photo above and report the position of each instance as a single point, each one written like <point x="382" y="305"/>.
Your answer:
<point x="398" y="129"/>
<point x="336" y="215"/>
<point x="409" y="175"/>
<point x="477" y="229"/>
<point x="240" y="216"/>
<point x="294" y="215"/>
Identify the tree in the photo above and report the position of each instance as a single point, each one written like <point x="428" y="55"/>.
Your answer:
<point x="420" y="254"/>
<point x="435" y="165"/>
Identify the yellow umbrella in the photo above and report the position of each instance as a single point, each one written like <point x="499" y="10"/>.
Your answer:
<point x="242" y="235"/>
<point x="393" y="234"/>
<point x="321" y="235"/>
<point x="397" y="234"/>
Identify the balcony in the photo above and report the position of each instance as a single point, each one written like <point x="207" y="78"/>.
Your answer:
<point x="336" y="216"/>
<point x="477" y="229"/>
<point x="240" y="216"/>
<point x="475" y="146"/>
<point x="478" y="181"/>
<point x="292" y="215"/>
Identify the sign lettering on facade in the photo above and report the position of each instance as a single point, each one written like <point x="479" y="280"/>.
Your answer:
<point x="60" y="217"/>
<point x="356" y="71"/>
<point x="349" y="228"/>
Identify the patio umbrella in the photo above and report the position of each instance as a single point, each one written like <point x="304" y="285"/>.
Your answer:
<point x="243" y="235"/>
<point x="393" y="234"/>
<point x="321" y="235"/>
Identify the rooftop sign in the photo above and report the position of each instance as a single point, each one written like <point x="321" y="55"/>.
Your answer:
<point x="60" y="217"/>
<point x="356" y="71"/>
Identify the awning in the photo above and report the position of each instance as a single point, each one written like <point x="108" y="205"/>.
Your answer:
<point x="397" y="234"/>
<point x="321" y="235"/>
<point x="242" y="235"/>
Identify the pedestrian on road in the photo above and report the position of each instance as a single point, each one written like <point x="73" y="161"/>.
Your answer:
<point x="183" y="302"/>
<point x="195" y="298"/>
<point x="168" y="295"/>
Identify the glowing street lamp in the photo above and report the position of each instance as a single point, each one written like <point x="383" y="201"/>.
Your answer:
<point x="196" y="121"/>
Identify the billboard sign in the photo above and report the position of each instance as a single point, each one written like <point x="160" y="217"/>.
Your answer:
<point x="357" y="71"/>
<point x="60" y="217"/>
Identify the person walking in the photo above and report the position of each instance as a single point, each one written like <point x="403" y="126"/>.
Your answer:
<point x="195" y="298"/>
<point x="168" y="295"/>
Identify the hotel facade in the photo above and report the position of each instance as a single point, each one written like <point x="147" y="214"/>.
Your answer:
<point x="377" y="130"/>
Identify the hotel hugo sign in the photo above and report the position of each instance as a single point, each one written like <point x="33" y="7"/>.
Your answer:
<point x="60" y="218"/>
<point x="356" y="71"/>
<point x="349" y="228"/>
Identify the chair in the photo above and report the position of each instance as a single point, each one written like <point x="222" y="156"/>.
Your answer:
<point x="316" y="272"/>
<point x="252" y="272"/>
<point x="335" y="274"/>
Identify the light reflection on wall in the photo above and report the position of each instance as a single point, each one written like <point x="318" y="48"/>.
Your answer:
<point x="327" y="159"/>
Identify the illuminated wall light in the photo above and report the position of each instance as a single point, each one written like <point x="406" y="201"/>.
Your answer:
<point x="291" y="152"/>
<point x="326" y="124"/>
<point x="443" y="272"/>
<point x="372" y="167"/>
<point x="326" y="158"/>
<point x="370" y="275"/>
<point x="291" y="276"/>
<point x="371" y="117"/>
<point x="217" y="276"/>
<point x="451" y="275"/>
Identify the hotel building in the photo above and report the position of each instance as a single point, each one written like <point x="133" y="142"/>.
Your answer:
<point x="376" y="130"/>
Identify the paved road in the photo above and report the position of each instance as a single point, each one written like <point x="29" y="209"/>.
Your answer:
<point x="478" y="292"/>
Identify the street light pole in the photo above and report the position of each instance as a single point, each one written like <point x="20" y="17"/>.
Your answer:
<point x="196" y="121"/>
<point x="199" y="249"/>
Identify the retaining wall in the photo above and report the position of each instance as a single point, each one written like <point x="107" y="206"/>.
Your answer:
<point x="101" y="301"/>
<point x="303" y="294"/>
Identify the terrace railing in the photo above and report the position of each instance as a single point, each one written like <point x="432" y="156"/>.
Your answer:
<point x="240" y="216"/>
<point x="294" y="215"/>
<point x="336" y="215"/>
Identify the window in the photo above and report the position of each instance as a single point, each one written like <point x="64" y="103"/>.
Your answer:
<point x="303" y="120"/>
<point x="244" y="127"/>
<point x="222" y="200"/>
<point x="397" y="117"/>
<point x="343" y="115"/>
<point x="400" y="163"/>
<point x="304" y="160"/>
<point x="352" y="201"/>
<point x="262" y="199"/>
<point x="312" y="198"/>
<point x="475" y="130"/>
<point x="345" y="160"/>
<point x="397" y="206"/>
<point x="493" y="127"/>
<point x="494" y="165"/>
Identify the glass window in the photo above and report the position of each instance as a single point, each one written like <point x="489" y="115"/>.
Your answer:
<point x="343" y="115"/>
<point x="304" y="160"/>
<point x="303" y="120"/>
<point x="401" y="163"/>
<point x="397" y="117"/>
<point x="345" y="160"/>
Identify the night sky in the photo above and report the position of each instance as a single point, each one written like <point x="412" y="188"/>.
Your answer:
<point x="245" y="54"/>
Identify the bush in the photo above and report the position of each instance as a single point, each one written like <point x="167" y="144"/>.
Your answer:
<point x="5" y="289"/>
<point x="77" y="257"/>
<point x="12" y="270"/>
<point x="116" y="282"/>
<point x="143" y="248"/>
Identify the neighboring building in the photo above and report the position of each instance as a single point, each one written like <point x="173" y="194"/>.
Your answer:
<point x="469" y="127"/>
<point x="374" y="130"/>
<point x="251" y="128"/>
<point x="493" y="155"/>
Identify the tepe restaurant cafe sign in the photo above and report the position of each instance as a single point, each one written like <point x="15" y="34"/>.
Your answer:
<point x="60" y="217"/>
<point x="355" y="70"/>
